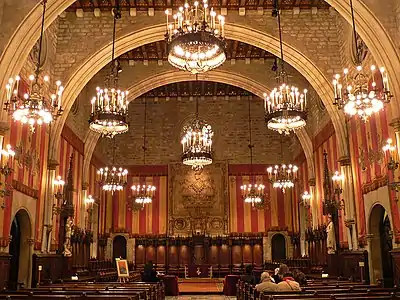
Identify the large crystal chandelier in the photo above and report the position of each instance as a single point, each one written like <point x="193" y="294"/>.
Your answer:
<point x="110" y="106"/>
<point x="252" y="193"/>
<point x="112" y="179"/>
<point x="282" y="176"/>
<point x="285" y="106"/>
<point x="195" y="38"/>
<point x="143" y="194"/>
<point x="197" y="142"/>
<point x="34" y="108"/>
<point x="360" y="92"/>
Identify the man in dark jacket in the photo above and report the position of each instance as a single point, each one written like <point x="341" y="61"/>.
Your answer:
<point x="249" y="276"/>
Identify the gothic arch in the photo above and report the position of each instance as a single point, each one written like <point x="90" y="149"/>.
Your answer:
<point x="142" y="87"/>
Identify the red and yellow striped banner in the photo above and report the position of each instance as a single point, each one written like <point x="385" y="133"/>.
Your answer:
<point x="245" y="218"/>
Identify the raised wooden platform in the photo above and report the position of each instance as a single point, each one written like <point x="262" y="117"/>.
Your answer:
<point x="203" y="286"/>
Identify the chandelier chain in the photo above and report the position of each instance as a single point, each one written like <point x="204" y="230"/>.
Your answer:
<point x="354" y="32"/>
<point x="114" y="146"/>
<point x="41" y="41"/>
<point x="251" y="146"/>
<point x="144" y="132"/>
<point x="280" y="37"/>
<point x="197" y="99"/>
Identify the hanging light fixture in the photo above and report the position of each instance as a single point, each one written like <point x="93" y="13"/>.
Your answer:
<point x="34" y="108"/>
<point x="109" y="110"/>
<point x="112" y="179"/>
<point x="197" y="142"/>
<point x="252" y="193"/>
<point x="282" y="176"/>
<point x="285" y="106"/>
<point x="358" y="91"/>
<point x="195" y="38"/>
<point x="143" y="194"/>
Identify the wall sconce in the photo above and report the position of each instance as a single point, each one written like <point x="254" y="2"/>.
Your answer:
<point x="390" y="151"/>
<point x="338" y="179"/>
<point x="89" y="201"/>
<point x="306" y="199"/>
<point x="59" y="195"/>
<point x="6" y="170"/>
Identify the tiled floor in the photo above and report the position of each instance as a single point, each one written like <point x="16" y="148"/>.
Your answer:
<point x="199" y="297"/>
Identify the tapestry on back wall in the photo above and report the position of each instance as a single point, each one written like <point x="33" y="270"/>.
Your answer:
<point x="198" y="200"/>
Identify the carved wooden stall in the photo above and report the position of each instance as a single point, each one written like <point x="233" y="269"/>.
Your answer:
<point x="202" y="255"/>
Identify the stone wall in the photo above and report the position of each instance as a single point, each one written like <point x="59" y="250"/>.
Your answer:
<point x="165" y="118"/>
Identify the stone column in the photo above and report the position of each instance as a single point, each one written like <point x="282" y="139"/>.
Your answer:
<point x="84" y="220"/>
<point x="95" y="230"/>
<point x="108" y="255"/>
<point x="265" y="247"/>
<point x="313" y="203"/>
<point x="130" y="251"/>
<point x="48" y="207"/>
<point x="369" y="237"/>
<point x="349" y="202"/>
<point x="303" y="225"/>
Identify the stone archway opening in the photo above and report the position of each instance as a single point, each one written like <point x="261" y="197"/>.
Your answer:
<point x="381" y="245"/>
<point x="119" y="247"/>
<point x="278" y="247"/>
<point x="20" y="251"/>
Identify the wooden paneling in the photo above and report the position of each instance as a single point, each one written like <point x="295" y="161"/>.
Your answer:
<point x="161" y="255"/>
<point x="173" y="258"/>
<point x="258" y="255"/>
<point x="236" y="254"/>
<point x="52" y="269"/>
<point x="247" y="254"/>
<point x="140" y="255"/>
<point x="4" y="267"/>
<point x="184" y="255"/>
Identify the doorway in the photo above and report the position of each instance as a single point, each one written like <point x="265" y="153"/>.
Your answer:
<point x="278" y="245"/>
<point x="381" y="245"/>
<point x="20" y="251"/>
<point x="119" y="247"/>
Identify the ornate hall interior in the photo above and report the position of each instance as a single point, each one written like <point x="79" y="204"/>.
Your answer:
<point x="202" y="137"/>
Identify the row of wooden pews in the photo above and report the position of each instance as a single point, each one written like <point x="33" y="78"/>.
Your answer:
<point x="332" y="290"/>
<point x="77" y="291"/>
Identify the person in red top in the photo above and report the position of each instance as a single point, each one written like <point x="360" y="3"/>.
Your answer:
<point x="288" y="283"/>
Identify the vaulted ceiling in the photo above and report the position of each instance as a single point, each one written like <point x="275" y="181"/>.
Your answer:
<point x="88" y="5"/>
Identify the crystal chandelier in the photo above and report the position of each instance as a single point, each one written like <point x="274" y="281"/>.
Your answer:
<point x="109" y="110"/>
<point x="285" y="106"/>
<point x="112" y="179"/>
<point x="34" y="108"/>
<point x="195" y="38"/>
<point x="358" y="92"/>
<point x="252" y="193"/>
<point x="143" y="194"/>
<point x="282" y="176"/>
<point x="197" y="142"/>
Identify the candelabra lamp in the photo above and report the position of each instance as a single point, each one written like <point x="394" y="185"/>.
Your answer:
<point x="6" y="170"/>
<point x="59" y="195"/>
<point x="390" y="151"/>
<point x="89" y="202"/>
<point x="306" y="197"/>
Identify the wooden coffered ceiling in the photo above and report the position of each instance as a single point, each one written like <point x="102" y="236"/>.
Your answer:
<point x="88" y="5"/>
<point x="196" y="88"/>
<point x="158" y="51"/>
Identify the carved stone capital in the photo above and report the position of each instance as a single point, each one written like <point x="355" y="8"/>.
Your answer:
<point x="369" y="237"/>
<point x="395" y="123"/>
<point x="344" y="161"/>
<point x="4" y="127"/>
<point x="85" y="186"/>
<point x="52" y="164"/>
<point x="31" y="241"/>
<point x="311" y="181"/>
<point x="349" y="222"/>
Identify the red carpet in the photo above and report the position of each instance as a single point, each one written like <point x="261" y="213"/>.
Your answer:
<point x="201" y="286"/>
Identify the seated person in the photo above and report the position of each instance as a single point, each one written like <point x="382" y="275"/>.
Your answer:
<point x="249" y="276"/>
<point x="149" y="273"/>
<point x="288" y="283"/>
<point x="276" y="277"/>
<point x="266" y="284"/>
<point x="300" y="277"/>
